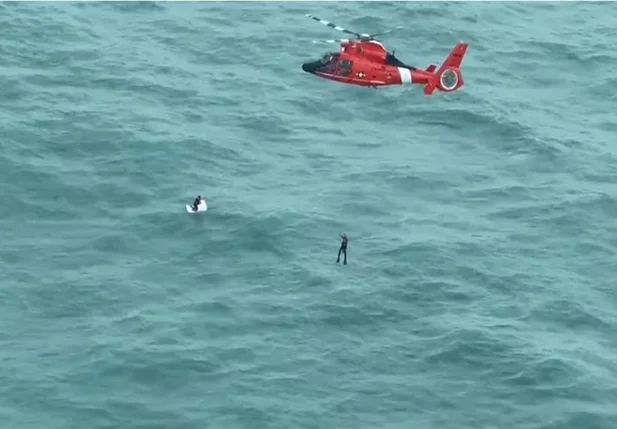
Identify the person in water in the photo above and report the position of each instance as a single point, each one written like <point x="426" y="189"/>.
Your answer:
<point x="343" y="249"/>
<point x="196" y="203"/>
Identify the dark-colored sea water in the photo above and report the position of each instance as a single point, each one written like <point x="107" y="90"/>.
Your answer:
<point x="480" y="287"/>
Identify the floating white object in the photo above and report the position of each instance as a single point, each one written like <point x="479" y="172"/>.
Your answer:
<point x="202" y="207"/>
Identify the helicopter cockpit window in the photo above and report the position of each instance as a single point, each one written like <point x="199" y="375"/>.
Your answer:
<point x="328" y="58"/>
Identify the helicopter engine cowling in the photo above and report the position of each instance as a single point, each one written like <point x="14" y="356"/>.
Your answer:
<point x="372" y="51"/>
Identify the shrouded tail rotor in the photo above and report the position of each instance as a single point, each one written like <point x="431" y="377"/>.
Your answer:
<point x="448" y="77"/>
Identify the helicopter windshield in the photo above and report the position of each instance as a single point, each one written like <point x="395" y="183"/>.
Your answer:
<point x="328" y="57"/>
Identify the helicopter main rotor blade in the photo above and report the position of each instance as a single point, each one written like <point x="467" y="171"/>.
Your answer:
<point x="332" y="41"/>
<point x="386" y="31"/>
<point x="334" y="26"/>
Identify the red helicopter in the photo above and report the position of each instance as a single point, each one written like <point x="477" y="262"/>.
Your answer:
<point x="365" y="61"/>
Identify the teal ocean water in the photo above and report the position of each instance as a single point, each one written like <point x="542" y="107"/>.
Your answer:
<point x="480" y="287"/>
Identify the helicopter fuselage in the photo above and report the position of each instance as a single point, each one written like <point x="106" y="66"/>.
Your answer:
<point x="365" y="61"/>
<point x="365" y="64"/>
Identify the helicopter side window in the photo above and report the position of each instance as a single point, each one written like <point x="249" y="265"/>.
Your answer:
<point x="346" y="67"/>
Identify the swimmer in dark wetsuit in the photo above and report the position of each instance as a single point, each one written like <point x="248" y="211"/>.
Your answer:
<point x="196" y="203"/>
<point x="343" y="249"/>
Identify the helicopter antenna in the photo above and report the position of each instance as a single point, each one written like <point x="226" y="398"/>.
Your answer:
<point x="362" y="37"/>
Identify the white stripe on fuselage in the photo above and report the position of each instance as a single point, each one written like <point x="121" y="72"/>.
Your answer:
<point x="405" y="75"/>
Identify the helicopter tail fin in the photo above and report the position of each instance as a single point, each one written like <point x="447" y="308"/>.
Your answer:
<point x="449" y="77"/>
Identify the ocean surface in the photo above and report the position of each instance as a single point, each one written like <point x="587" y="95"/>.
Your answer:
<point x="480" y="289"/>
